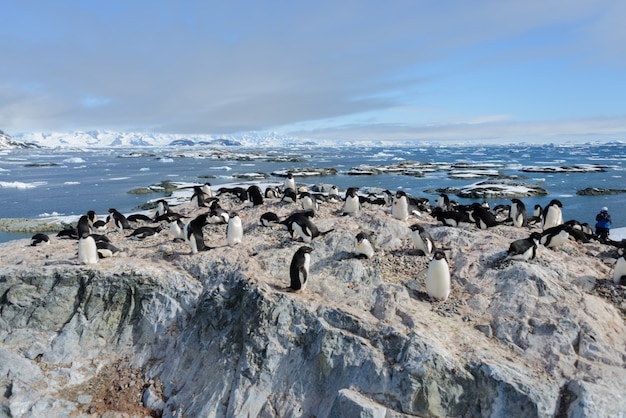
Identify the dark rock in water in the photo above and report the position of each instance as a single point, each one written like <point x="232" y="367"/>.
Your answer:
<point x="577" y="168"/>
<point x="306" y="172"/>
<point x="598" y="191"/>
<point x="501" y="189"/>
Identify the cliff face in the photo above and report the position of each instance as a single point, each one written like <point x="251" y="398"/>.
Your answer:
<point x="217" y="334"/>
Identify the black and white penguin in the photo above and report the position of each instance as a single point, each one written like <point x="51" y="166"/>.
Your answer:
<point x="308" y="202"/>
<point x="438" y="277"/>
<point x="364" y="246"/>
<point x="619" y="270"/>
<point x="333" y="195"/>
<point x="139" y="217"/>
<point x="269" y="219"/>
<point x="91" y="215"/>
<point x="449" y="217"/>
<point x="422" y="239"/>
<point x="272" y="193"/>
<point x="255" y="196"/>
<point x="304" y="228"/>
<point x="290" y="182"/>
<point x="39" y="239"/>
<point x="144" y="232"/>
<point x="299" y="270"/>
<point x="83" y="226"/>
<point x="119" y="220"/>
<point x="289" y="196"/>
<point x="87" y="250"/>
<point x="162" y="208"/>
<point x="106" y="249"/>
<point x="217" y="214"/>
<point x="289" y="220"/>
<point x="524" y="249"/>
<point x="518" y="213"/>
<point x="206" y="189"/>
<point x="234" y="230"/>
<point x="352" y="203"/>
<point x="443" y="201"/>
<point x="71" y="233"/>
<point x="483" y="217"/>
<point x="556" y="236"/>
<point x="400" y="206"/>
<point x="194" y="234"/>
<point x="552" y="214"/>
<point x="176" y="231"/>
<point x="198" y="197"/>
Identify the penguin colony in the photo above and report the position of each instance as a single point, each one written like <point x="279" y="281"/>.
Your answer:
<point x="296" y="210"/>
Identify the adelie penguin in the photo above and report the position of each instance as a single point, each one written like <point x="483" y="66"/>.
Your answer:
<point x="438" y="277"/>
<point x="483" y="217"/>
<point x="194" y="235"/>
<point x="290" y="182"/>
<point x="308" y="202"/>
<point x="144" y="232"/>
<point x="234" y="230"/>
<point x="269" y="219"/>
<point x="254" y="195"/>
<point x="302" y="227"/>
<point x="119" y="221"/>
<point x="400" y="206"/>
<point x="524" y="249"/>
<point x="619" y="270"/>
<point x="87" y="249"/>
<point x="289" y="196"/>
<point x="518" y="213"/>
<point x="83" y="226"/>
<point x="176" y="230"/>
<point x="556" y="236"/>
<point x="38" y="239"/>
<point x="450" y="217"/>
<point x="364" y="246"/>
<point x="299" y="270"/>
<point x="552" y="214"/>
<point x="422" y="240"/>
<point x="352" y="203"/>
<point x="271" y="193"/>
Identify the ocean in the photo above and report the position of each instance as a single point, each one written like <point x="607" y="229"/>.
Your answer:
<point x="62" y="182"/>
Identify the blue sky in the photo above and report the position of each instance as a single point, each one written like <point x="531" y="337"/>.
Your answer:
<point x="428" y="70"/>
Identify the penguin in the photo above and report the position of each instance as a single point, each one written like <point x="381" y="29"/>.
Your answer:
<point x="255" y="197"/>
<point x="619" y="270"/>
<point x="176" y="231"/>
<point x="91" y="215"/>
<point x="71" y="233"/>
<point x="552" y="215"/>
<point x="271" y="193"/>
<point x="400" y="206"/>
<point x="299" y="270"/>
<point x="304" y="228"/>
<point x="438" y="277"/>
<point x="364" y="246"/>
<point x="556" y="236"/>
<point x="289" y="220"/>
<point x="524" y="249"/>
<point x="483" y="217"/>
<point x="218" y="214"/>
<point x="537" y="215"/>
<point x="308" y="202"/>
<point x="234" y="230"/>
<point x="290" y="182"/>
<point x="289" y="196"/>
<point x="333" y="195"/>
<point x="352" y="203"/>
<point x="518" y="213"/>
<point x="194" y="235"/>
<point x="198" y="196"/>
<point x="269" y="219"/>
<point x="449" y="217"/>
<point x="99" y="226"/>
<point x="206" y="189"/>
<point x="119" y="220"/>
<point x="144" y="232"/>
<point x="87" y="249"/>
<point x="83" y="226"/>
<point x="422" y="239"/>
<point x="443" y="201"/>
<point x="106" y="249"/>
<point x="162" y="208"/>
<point x="39" y="239"/>
<point x="138" y="217"/>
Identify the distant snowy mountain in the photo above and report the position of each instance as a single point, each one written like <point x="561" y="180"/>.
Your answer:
<point x="6" y="142"/>
<point x="103" y="139"/>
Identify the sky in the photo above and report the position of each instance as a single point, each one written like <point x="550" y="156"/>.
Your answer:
<point x="496" y="70"/>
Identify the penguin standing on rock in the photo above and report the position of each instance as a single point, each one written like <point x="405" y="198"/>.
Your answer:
<point x="552" y="214"/>
<point x="422" y="239"/>
<point x="234" y="230"/>
<point x="518" y="213"/>
<point x="400" y="206"/>
<point x="290" y="182"/>
<point x="619" y="270"/>
<point x="255" y="196"/>
<point x="299" y="270"/>
<point x="364" y="247"/>
<point x="87" y="249"/>
<point x="194" y="235"/>
<point x="556" y="236"/>
<point x="438" y="277"/>
<point x="269" y="219"/>
<point x="39" y="239"/>
<point x="352" y="203"/>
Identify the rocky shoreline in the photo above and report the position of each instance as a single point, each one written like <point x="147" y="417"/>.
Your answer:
<point x="216" y="333"/>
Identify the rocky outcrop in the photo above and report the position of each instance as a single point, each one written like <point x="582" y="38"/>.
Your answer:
<point x="599" y="191"/>
<point x="217" y="334"/>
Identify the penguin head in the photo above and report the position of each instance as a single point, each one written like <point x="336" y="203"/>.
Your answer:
<point x="416" y="227"/>
<point x="305" y="249"/>
<point x="400" y="193"/>
<point x="439" y="255"/>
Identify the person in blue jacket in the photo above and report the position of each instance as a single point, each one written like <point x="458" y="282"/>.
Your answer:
<point x="603" y="224"/>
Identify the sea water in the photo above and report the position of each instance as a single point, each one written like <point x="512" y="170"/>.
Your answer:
<point x="58" y="182"/>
